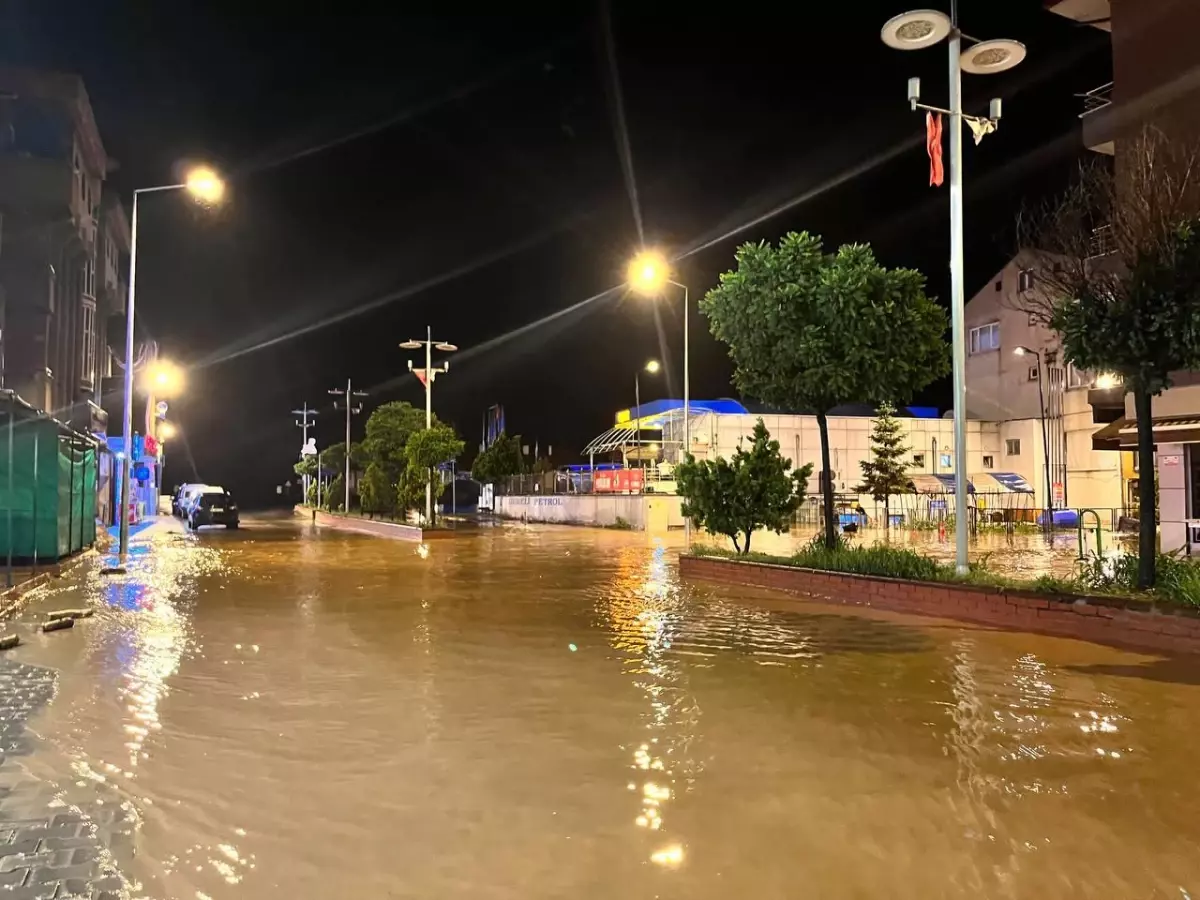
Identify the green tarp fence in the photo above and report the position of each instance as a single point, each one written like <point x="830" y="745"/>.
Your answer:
<point x="50" y="497"/>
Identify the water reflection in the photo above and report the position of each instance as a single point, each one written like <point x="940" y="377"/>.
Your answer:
<point x="642" y="608"/>
<point x="547" y="713"/>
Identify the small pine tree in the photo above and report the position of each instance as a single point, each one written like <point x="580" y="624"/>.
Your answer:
<point x="886" y="473"/>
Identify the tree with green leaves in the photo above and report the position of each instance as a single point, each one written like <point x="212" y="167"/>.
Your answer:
<point x="750" y="491"/>
<point x="500" y="461"/>
<point x="427" y="449"/>
<point x="886" y="472"/>
<point x="388" y="430"/>
<point x="807" y="330"/>
<point x="377" y="491"/>
<point x="1133" y="311"/>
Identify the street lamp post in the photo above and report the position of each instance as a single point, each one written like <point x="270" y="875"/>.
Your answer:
<point x="304" y="413"/>
<point x="649" y="273"/>
<point x="206" y="187"/>
<point x="917" y="30"/>
<point x="427" y="375"/>
<point x="652" y="366"/>
<point x="349" y="393"/>
<point x="1025" y="351"/>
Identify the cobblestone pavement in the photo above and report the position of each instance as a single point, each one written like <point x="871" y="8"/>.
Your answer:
<point x="48" y="849"/>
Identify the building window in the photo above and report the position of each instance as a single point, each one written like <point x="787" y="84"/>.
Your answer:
<point x="999" y="285"/>
<point x="1033" y="320"/>
<point x="1012" y="447"/>
<point x="1025" y="280"/>
<point x="985" y="338"/>
<point x="87" y="277"/>
<point x="1079" y="378"/>
<point x="89" y="342"/>
<point x="989" y="462"/>
<point x="919" y="460"/>
<point x="1033" y="373"/>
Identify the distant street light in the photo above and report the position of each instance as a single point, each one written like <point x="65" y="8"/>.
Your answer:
<point x="349" y="393"/>
<point x="164" y="378"/>
<point x="205" y="187"/>
<point x="917" y="30"/>
<point x="427" y="375"/>
<point x="649" y="274"/>
<point x="652" y="366"/>
<point x="167" y="430"/>
<point x="1025" y="351"/>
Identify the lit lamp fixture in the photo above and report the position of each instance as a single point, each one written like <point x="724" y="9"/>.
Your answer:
<point x="1107" y="381"/>
<point x="164" y="378"/>
<point x="917" y="30"/>
<point x="649" y="274"/>
<point x="167" y="430"/>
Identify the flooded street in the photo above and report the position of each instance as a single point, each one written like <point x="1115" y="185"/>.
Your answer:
<point x="548" y="712"/>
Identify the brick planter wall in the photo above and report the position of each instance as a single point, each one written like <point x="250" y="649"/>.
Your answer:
<point x="377" y="527"/>
<point x="1106" y="620"/>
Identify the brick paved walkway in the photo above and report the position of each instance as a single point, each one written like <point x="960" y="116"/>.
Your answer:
<point x="47" y="848"/>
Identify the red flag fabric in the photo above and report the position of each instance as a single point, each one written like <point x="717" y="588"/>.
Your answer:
<point x="933" y="146"/>
<point x="420" y="373"/>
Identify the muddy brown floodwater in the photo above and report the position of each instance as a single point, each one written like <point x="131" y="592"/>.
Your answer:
<point x="548" y="713"/>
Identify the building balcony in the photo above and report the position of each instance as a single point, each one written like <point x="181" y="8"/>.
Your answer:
<point x="1099" y="119"/>
<point x="1097" y="13"/>
<point x="1108" y="404"/>
<point x="43" y="189"/>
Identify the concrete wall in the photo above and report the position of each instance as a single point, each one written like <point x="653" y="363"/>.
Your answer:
<point x="849" y="444"/>
<point x="660" y="512"/>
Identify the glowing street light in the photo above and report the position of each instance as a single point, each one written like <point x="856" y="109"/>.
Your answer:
<point x="652" y="366"/>
<point x="1025" y="351"/>
<point x="164" y="378"/>
<point x="167" y="431"/>
<point x="649" y="274"/>
<point x="206" y="187"/>
<point x="916" y="30"/>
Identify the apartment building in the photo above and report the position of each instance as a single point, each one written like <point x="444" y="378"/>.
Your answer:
<point x="64" y="243"/>
<point x="1155" y="81"/>
<point x="1018" y="378"/>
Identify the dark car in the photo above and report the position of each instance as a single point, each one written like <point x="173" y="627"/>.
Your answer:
<point x="213" y="509"/>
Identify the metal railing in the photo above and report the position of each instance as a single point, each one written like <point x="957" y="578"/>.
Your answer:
<point x="1096" y="99"/>
<point x="650" y="481"/>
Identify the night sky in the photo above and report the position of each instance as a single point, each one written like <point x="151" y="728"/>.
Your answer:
<point x="467" y="172"/>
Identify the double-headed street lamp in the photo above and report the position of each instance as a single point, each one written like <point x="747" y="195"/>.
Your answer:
<point x="652" y="366"/>
<point x="1025" y="351"/>
<point x="206" y="187"/>
<point x="917" y="30"/>
<point x="649" y="274"/>
<point x="426" y="376"/>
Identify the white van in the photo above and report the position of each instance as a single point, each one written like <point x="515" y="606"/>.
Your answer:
<point x="187" y="495"/>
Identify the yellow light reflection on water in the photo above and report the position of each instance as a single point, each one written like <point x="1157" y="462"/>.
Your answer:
<point x="670" y="856"/>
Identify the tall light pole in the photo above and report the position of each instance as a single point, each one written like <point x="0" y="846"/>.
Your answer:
<point x="1025" y="351"/>
<point x="652" y="366"/>
<point x="206" y="187"/>
<point x="917" y="30"/>
<point x="649" y="274"/>
<point x="427" y="375"/>
<point x="304" y="413"/>
<point x="349" y="394"/>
